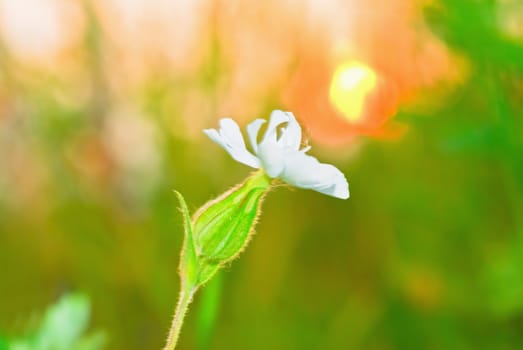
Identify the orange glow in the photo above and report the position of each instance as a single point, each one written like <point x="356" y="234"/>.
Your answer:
<point x="309" y="96"/>
<point x="350" y="86"/>
<point x="406" y="58"/>
<point x="293" y="55"/>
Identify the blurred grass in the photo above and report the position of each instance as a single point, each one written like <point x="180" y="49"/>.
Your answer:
<point x="427" y="253"/>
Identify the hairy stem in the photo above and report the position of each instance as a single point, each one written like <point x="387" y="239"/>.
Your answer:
<point x="185" y="298"/>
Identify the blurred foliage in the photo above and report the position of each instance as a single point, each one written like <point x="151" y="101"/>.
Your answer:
<point x="427" y="253"/>
<point x="62" y="327"/>
<point x="208" y="311"/>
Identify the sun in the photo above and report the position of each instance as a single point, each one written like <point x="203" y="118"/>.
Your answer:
<point x="350" y="85"/>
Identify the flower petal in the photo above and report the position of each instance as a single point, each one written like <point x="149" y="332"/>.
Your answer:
<point x="272" y="158"/>
<point x="304" y="171"/>
<point x="230" y="130"/>
<point x="291" y="135"/>
<point x="231" y="139"/>
<point x="281" y="156"/>
<point x="252" y="131"/>
<point x="277" y="118"/>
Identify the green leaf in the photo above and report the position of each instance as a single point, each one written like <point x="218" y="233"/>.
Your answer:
<point x="63" y="323"/>
<point x="61" y="328"/>
<point x="189" y="264"/>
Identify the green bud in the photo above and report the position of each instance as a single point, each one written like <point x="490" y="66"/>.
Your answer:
<point x="222" y="228"/>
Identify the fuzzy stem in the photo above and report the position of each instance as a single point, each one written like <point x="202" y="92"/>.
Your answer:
<point x="185" y="298"/>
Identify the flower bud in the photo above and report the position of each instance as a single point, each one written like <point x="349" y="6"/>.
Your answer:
<point x="223" y="227"/>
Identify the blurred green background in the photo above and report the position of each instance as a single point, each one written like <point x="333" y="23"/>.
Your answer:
<point x="101" y="110"/>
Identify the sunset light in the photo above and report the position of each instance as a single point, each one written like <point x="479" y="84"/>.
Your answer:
<point x="350" y="85"/>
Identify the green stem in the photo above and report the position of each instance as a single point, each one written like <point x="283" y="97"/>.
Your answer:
<point x="185" y="298"/>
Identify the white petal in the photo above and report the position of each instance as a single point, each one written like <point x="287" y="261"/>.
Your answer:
<point x="291" y="135"/>
<point x="252" y="131"/>
<point x="231" y="139"/>
<point x="277" y="118"/>
<point x="230" y="130"/>
<point x="304" y="171"/>
<point x="272" y="158"/>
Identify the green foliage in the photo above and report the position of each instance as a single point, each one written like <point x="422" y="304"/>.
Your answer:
<point x="208" y="310"/>
<point x="472" y="27"/>
<point x="188" y="259"/>
<point x="62" y="328"/>
<point x="4" y="345"/>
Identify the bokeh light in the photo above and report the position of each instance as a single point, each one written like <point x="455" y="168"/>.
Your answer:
<point x="350" y="86"/>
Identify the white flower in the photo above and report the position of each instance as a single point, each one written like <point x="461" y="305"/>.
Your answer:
<point x="279" y="154"/>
